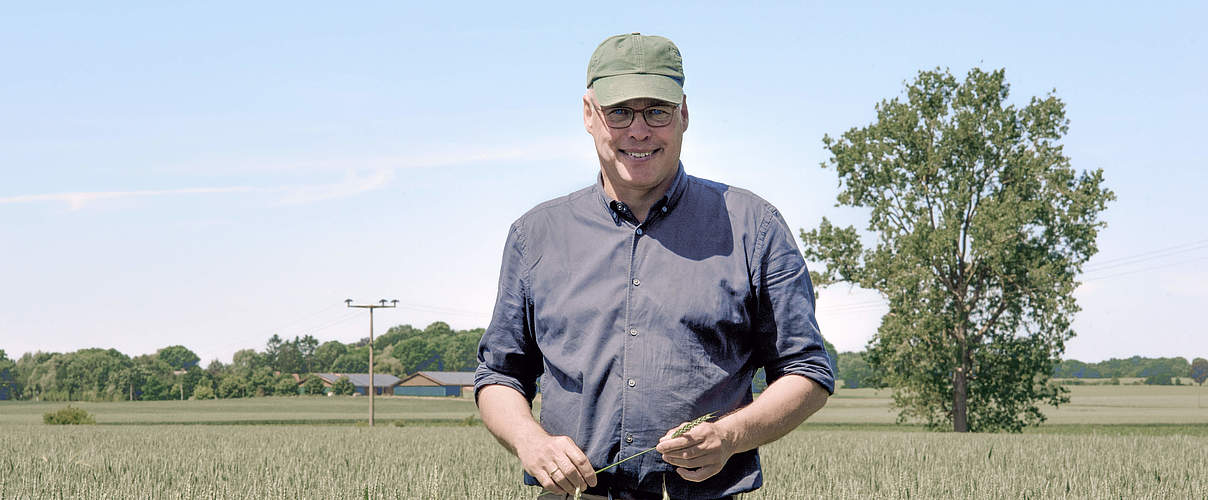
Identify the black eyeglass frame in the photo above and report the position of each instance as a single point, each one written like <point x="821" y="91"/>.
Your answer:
<point x="670" y="108"/>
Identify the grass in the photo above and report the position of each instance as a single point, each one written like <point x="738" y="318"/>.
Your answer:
<point x="829" y="464"/>
<point x="286" y="410"/>
<point x="1089" y="404"/>
<point x="172" y="461"/>
<point x="1110" y="442"/>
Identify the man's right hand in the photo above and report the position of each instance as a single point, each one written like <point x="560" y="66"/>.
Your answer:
<point x="557" y="463"/>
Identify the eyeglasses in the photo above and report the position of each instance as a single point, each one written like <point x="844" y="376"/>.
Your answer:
<point x="659" y="115"/>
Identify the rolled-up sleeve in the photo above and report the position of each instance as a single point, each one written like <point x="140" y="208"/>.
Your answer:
<point x="788" y="330"/>
<point x="508" y="354"/>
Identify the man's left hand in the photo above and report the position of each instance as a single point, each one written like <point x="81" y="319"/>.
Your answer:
<point x="699" y="453"/>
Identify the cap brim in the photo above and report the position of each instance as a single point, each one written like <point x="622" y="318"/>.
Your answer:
<point x="613" y="90"/>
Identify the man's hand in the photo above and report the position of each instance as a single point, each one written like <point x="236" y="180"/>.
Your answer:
<point x="557" y="463"/>
<point x="699" y="453"/>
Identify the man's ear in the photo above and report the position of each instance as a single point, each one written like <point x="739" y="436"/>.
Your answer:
<point x="588" y="109"/>
<point x="684" y="111"/>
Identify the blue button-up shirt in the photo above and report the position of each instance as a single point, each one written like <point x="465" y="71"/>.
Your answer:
<point x="634" y="327"/>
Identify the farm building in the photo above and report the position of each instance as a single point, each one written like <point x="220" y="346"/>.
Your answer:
<point x="434" y="384"/>
<point x="383" y="384"/>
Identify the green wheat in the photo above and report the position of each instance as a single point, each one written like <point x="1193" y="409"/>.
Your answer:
<point x="678" y="432"/>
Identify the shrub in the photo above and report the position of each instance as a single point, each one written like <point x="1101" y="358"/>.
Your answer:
<point x="233" y="387"/>
<point x="285" y="386"/>
<point x="313" y="385"/>
<point x="68" y="416"/>
<point x="343" y="387"/>
<point x="1158" y="380"/>
<point x="203" y="391"/>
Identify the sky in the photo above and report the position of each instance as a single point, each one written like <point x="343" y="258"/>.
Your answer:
<point x="212" y="174"/>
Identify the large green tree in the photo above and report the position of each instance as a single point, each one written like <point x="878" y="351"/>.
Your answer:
<point x="178" y="357"/>
<point x="8" y="383"/>
<point x="981" y="227"/>
<point x="1199" y="370"/>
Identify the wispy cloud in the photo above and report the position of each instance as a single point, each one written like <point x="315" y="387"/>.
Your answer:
<point x="381" y="172"/>
<point x="78" y="199"/>
<point x="571" y="147"/>
<point x="351" y="186"/>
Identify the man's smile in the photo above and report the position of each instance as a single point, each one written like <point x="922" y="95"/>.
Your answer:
<point x="639" y="155"/>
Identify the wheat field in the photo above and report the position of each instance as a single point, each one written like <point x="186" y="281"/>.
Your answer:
<point x="1112" y="442"/>
<point x="175" y="461"/>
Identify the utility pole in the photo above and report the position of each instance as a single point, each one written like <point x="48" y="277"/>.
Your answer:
<point x="372" y="382"/>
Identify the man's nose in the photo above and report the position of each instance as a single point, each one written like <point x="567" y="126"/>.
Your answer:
<point x="639" y="130"/>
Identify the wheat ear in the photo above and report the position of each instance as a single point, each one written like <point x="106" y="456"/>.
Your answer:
<point x="678" y="432"/>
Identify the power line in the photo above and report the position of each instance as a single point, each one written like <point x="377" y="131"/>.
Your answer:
<point x="854" y="305"/>
<point x="342" y="320"/>
<point x="1147" y="256"/>
<point x="306" y="318"/>
<point x="442" y="310"/>
<point x="1135" y="271"/>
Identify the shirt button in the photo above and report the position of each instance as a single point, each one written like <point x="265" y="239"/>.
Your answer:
<point x="639" y="231"/>
<point x="637" y="282"/>
<point x="629" y="438"/>
<point x="632" y="382"/>
<point x="633" y="331"/>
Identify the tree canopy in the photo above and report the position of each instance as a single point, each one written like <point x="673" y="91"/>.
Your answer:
<point x="981" y="227"/>
<point x="1199" y="370"/>
<point x="178" y="357"/>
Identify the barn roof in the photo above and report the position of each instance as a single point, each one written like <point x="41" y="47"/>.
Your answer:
<point x="361" y="379"/>
<point x="447" y="378"/>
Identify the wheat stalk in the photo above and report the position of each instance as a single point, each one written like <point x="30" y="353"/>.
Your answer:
<point x="678" y="432"/>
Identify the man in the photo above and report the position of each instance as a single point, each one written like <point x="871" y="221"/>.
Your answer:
<point x="644" y="301"/>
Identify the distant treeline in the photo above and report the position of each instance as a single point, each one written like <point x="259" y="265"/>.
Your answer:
<point x="856" y="372"/>
<point x="1134" y="367"/>
<point x="173" y="372"/>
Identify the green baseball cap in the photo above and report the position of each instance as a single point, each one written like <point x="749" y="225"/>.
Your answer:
<point x="634" y="65"/>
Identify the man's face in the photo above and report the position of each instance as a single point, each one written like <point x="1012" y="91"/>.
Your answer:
<point x="637" y="157"/>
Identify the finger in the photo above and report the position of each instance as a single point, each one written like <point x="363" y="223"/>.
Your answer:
<point x="571" y="472"/>
<point x="548" y="483"/>
<point x="583" y="466"/>
<point x="694" y="456"/>
<point x="679" y="460"/>
<point x="562" y="481"/>
<point x="700" y="474"/>
<point x="673" y="444"/>
<point x="672" y="431"/>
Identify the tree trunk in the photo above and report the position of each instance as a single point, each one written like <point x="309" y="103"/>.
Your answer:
<point x="960" y="389"/>
<point x="960" y="395"/>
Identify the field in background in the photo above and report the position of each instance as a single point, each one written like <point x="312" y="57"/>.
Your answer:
<point x="1090" y="404"/>
<point x="1112" y="441"/>
<point x="267" y="410"/>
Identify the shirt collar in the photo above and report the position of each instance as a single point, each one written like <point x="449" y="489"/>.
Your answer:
<point x="670" y="199"/>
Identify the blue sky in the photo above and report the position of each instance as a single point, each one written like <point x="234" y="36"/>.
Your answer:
<point x="209" y="175"/>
